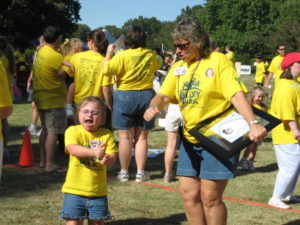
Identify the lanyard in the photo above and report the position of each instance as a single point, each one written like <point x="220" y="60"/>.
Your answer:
<point x="190" y="82"/>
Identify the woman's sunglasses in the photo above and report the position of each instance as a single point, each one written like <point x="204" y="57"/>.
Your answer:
<point x="182" y="46"/>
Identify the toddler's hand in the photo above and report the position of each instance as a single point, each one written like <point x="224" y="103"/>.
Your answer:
<point x="104" y="159"/>
<point x="100" y="151"/>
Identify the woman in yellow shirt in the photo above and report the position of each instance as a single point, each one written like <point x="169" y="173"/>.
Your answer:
<point x="134" y="70"/>
<point x="286" y="136"/>
<point x="204" y="84"/>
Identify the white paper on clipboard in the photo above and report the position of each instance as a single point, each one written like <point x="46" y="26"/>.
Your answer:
<point x="231" y="127"/>
<point x="119" y="44"/>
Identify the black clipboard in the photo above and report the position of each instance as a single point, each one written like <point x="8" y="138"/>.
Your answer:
<point x="221" y="147"/>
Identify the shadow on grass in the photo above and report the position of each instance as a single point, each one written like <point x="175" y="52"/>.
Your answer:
<point x="175" y="219"/>
<point x="19" y="182"/>
<point x="295" y="222"/>
<point x="16" y="182"/>
<point x="263" y="169"/>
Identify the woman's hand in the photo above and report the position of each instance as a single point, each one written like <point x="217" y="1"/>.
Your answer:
<point x="294" y="128"/>
<point x="151" y="112"/>
<point x="257" y="133"/>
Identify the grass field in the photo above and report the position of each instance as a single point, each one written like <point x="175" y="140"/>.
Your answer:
<point x="31" y="197"/>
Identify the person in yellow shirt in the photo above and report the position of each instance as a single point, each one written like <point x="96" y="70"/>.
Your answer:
<point x="49" y="95"/>
<point x="275" y="67"/>
<point x="92" y="147"/>
<point x="134" y="70"/>
<point x="87" y="70"/>
<point x="8" y="61"/>
<point x="5" y="106"/>
<point x="286" y="136"/>
<point x="260" y="71"/>
<point x="69" y="48"/>
<point x="204" y="84"/>
<point x="247" y="161"/>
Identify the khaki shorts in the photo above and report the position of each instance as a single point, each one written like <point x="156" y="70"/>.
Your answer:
<point x="53" y="120"/>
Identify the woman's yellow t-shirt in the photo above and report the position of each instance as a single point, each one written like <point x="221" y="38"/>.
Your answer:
<point x="88" y="78"/>
<point x="134" y="69"/>
<point x="49" y="90"/>
<point x="285" y="106"/>
<point x="203" y="89"/>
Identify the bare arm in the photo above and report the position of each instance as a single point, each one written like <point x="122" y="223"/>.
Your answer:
<point x="107" y="93"/>
<point x="294" y="128"/>
<point x="61" y="74"/>
<point x="29" y="81"/>
<point x="268" y="79"/>
<point x="109" y="159"/>
<point x="257" y="132"/>
<point x="80" y="151"/>
<point x="157" y="104"/>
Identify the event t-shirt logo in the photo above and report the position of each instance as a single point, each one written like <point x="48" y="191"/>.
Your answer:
<point x="190" y="92"/>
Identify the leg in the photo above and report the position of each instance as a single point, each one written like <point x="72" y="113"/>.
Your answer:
<point x="50" y="147"/>
<point x="288" y="164"/>
<point x="190" y="192"/>
<point x="252" y="151"/>
<point x="141" y="148"/>
<point x="42" y="143"/>
<point x="35" y="114"/>
<point x="214" y="207"/>
<point x="5" y="132"/>
<point x="74" y="222"/>
<point x="96" y="222"/>
<point x="170" y="151"/>
<point x="125" y="147"/>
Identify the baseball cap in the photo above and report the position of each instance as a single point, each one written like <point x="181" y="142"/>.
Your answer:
<point x="290" y="59"/>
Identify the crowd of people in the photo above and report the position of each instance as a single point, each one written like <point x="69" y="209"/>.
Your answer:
<point x="100" y="89"/>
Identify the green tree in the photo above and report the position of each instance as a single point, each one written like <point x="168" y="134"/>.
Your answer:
<point x="114" y="31"/>
<point x="24" y="20"/>
<point x="250" y="26"/>
<point x="151" y="26"/>
<point x="286" y="28"/>
<point x="81" y="32"/>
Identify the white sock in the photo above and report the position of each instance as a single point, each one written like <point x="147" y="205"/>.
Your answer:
<point x="140" y="171"/>
<point x="124" y="171"/>
<point x="32" y="127"/>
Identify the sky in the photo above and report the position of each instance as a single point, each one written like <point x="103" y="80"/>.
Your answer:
<point x="99" y="13"/>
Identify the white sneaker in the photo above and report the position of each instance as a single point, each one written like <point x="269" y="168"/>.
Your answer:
<point x="140" y="177"/>
<point x="251" y="165"/>
<point x="245" y="164"/>
<point x="276" y="202"/>
<point x="123" y="176"/>
<point x="291" y="198"/>
<point x="38" y="133"/>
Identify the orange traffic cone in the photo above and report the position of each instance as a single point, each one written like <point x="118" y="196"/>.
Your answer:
<point x="26" y="156"/>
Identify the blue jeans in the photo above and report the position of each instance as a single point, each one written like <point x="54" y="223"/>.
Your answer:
<point x="195" y="161"/>
<point x="129" y="108"/>
<point x="76" y="207"/>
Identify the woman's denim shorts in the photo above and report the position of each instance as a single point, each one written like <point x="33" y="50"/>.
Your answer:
<point x="76" y="207"/>
<point x="129" y="108"/>
<point x="195" y="161"/>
